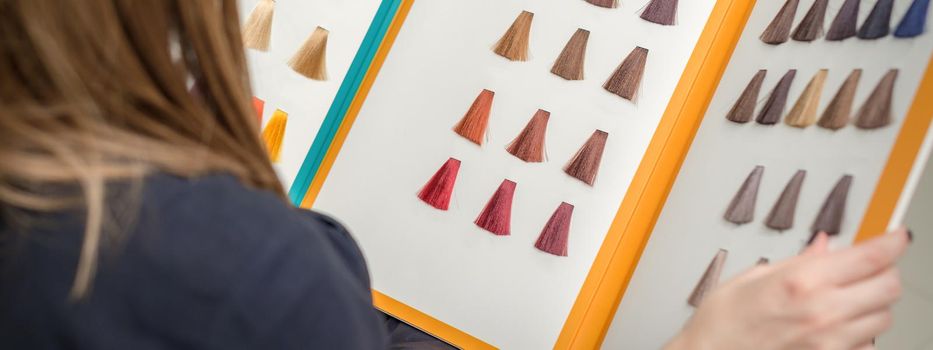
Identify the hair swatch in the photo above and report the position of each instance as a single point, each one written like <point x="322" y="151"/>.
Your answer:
<point x="514" y="43"/>
<point x="440" y="187"/>
<point x="529" y="144"/>
<point x="662" y="12"/>
<point x="473" y="124"/>
<point x="710" y="278"/>
<point x="778" y="31"/>
<point x="310" y="60"/>
<point x="744" y="108"/>
<point x="585" y="164"/>
<point x="804" y="112"/>
<point x="876" y="111"/>
<point x="553" y="238"/>
<point x="878" y="23"/>
<point x="773" y="109"/>
<point x="845" y="24"/>
<point x="626" y="79"/>
<point x="782" y="214"/>
<point x="274" y="133"/>
<point x="257" y="31"/>
<point x="839" y="111"/>
<point x="742" y="208"/>
<point x="811" y="27"/>
<point x="763" y="261"/>
<point x="914" y="21"/>
<point x="258" y="106"/>
<point x="569" y="65"/>
<point x="830" y="218"/>
<point x="609" y="4"/>
<point x="496" y="217"/>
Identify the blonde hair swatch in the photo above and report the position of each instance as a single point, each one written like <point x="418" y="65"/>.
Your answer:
<point x="804" y="112"/>
<point x="513" y="45"/>
<point x="310" y="60"/>
<point x="274" y="133"/>
<point x="626" y="79"/>
<point x="744" y="108"/>
<point x="257" y="32"/>
<point x="569" y="65"/>
<point x="811" y="27"/>
<point x="778" y="31"/>
<point x="876" y="111"/>
<point x="839" y="111"/>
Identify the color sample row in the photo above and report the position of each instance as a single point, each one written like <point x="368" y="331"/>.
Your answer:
<point x="529" y="145"/>
<point x="845" y="25"/>
<point x="624" y="81"/>
<point x="741" y="209"/>
<point x="663" y="12"/>
<point x="496" y="216"/>
<point x="309" y="60"/>
<point x="874" y="113"/>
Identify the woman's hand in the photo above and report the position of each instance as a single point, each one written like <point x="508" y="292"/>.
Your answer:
<point x="818" y="300"/>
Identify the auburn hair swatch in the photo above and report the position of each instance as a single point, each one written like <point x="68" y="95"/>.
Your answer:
<point x="782" y="214"/>
<point x="914" y="21"/>
<point x="569" y="65"/>
<point x="626" y="79"/>
<point x="811" y="27"/>
<point x="514" y="43"/>
<point x="876" y="111"/>
<point x="804" y="112"/>
<point x="274" y="133"/>
<point x="878" y="23"/>
<point x="773" y="109"/>
<point x="710" y="278"/>
<point x="473" y="124"/>
<point x="744" y="108"/>
<point x="609" y="4"/>
<point x="831" y="214"/>
<point x="584" y="165"/>
<point x="778" y="31"/>
<point x="742" y="208"/>
<point x="553" y="238"/>
<point x="310" y="60"/>
<point x="839" y="111"/>
<point x="662" y="12"/>
<point x="529" y="144"/>
<point x="257" y="32"/>
<point x="845" y="25"/>
<point x="496" y="217"/>
<point x="258" y="106"/>
<point x="440" y="187"/>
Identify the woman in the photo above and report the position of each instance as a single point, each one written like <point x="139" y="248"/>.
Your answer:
<point x="135" y="214"/>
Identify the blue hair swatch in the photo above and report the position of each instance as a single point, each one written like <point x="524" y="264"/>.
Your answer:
<point x="914" y="21"/>
<point x="878" y="24"/>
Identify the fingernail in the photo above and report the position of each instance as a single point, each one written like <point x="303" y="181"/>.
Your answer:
<point x="910" y="236"/>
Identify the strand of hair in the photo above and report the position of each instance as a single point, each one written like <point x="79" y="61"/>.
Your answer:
<point x="257" y="32"/>
<point x="496" y="217"/>
<point x="609" y="4"/>
<point x="274" y="133"/>
<point x="833" y="210"/>
<point x="804" y="112"/>
<point x="773" y="109"/>
<point x="782" y="214"/>
<point x="584" y="165"/>
<point x="626" y="79"/>
<point x="878" y="23"/>
<point x="744" y="107"/>
<point x="845" y="25"/>
<point x="529" y="144"/>
<point x="474" y="123"/>
<point x="311" y="59"/>
<point x="710" y="278"/>
<point x="554" y="236"/>
<point x="876" y="111"/>
<point x="439" y="188"/>
<point x="663" y="12"/>
<point x="914" y="21"/>
<point x="778" y="31"/>
<point x="837" y="114"/>
<point x="741" y="209"/>
<point x="569" y="65"/>
<point x="811" y="27"/>
<point x="513" y="45"/>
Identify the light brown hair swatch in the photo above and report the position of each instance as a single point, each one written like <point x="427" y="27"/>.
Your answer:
<point x="473" y="124"/>
<point x="274" y="133"/>
<point x="609" y="4"/>
<point x="626" y="79"/>
<point x="257" y="32"/>
<point x="831" y="214"/>
<point x="513" y="45"/>
<point x="742" y="208"/>
<point x="778" y="31"/>
<point x="805" y="110"/>
<point x="773" y="109"/>
<point x="811" y="27"/>
<point x="845" y="25"/>
<point x="569" y="65"/>
<point x="663" y="12"/>
<point x="710" y="278"/>
<point x="782" y="214"/>
<point x="311" y="58"/>
<point x="744" y="108"/>
<point x="876" y="111"/>
<point x="839" y="111"/>
<point x="584" y="165"/>
<point x="529" y="144"/>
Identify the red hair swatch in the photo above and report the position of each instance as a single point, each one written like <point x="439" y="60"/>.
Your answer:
<point x="438" y="190"/>
<point x="496" y="217"/>
<point x="585" y="164"/>
<point x="529" y="144"/>
<point x="473" y="125"/>
<point x="553" y="238"/>
<point x="258" y="105"/>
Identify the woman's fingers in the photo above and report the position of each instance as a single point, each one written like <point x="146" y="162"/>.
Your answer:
<point x="862" y="330"/>
<point x="860" y="261"/>
<point x="876" y="292"/>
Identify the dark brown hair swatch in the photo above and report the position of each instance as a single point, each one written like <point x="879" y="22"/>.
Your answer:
<point x="845" y="25"/>
<point x="584" y="165"/>
<point x="763" y="261"/>
<point x="878" y="23"/>
<point x="876" y="111"/>
<point x="839" y="111"/>
<point x="514" y="43"/>
<point x="473" y="124"/>
<point x="804" y="112"/>
<point x="773" y="109"/>
<point x="710" y="278"/>
<point x="609" y="4"/>
<point x="742" y="208"/>
<point x="831" y="214"/>
<point x="529" y="144"/>
<point x="554" y="236"/>
<point x="569" y="65"/>
<point x="626" y="79"/>
<point x="496" y="217"/>
<point x="782" y="214"/>
<point x="778" y="31"/>
<point x="663" y="12"/>
<point x="440" y="187"/>
<point x="744" y="108"/>
<point x="811" y="27"/>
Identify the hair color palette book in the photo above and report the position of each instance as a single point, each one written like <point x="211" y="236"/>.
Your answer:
<point x="504" y="170"/>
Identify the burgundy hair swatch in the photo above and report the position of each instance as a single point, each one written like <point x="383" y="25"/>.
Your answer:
<point x="584" y="166"/>
<point x="496" y="217"/>
<point x="742" y="208"/>
<point x="710" y="278"/>
<point x="831" y="214"/>
<point x="440" y="187"/>
<point x="473" y="124"/>
<point x="773" y="109"/>
<point x="744" y="108"/>
<point x="782" y="214"/>
<point x="663" y="12"/>
<point x="529" y="144"/>
<point x="778" y="31"/>
<point x="553" y="238"/>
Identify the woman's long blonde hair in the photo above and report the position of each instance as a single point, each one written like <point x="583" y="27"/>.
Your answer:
<point x="94" y="91"/>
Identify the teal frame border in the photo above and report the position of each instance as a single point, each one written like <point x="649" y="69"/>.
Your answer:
<point x="345" y="95"/>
